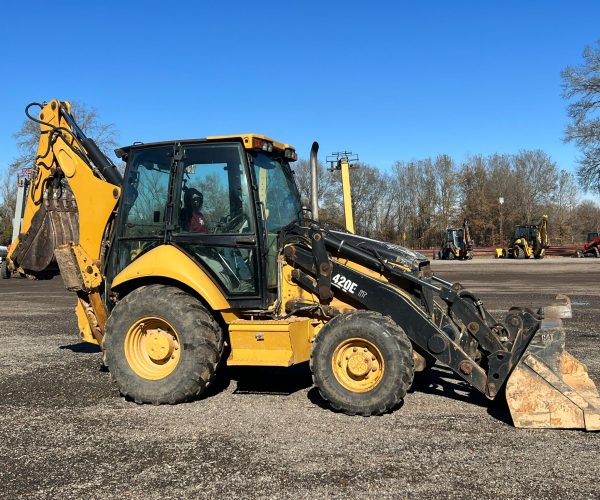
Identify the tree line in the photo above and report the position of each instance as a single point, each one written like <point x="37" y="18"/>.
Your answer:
<point x="416" y="201"/>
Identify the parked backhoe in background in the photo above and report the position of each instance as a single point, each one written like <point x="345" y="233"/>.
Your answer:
<point x="203" y="252"/>
<point x="458" y="244"/>
<point x="3" y="265"/>
<point x="591" y="248"/>
<point x="527" y="241"/>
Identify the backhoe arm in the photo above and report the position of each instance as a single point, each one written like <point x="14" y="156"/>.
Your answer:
<point x="68" y="213"/>
<point x="541" y="241"/>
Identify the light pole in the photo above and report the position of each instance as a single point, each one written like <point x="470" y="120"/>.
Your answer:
<point x="501" y="201"/>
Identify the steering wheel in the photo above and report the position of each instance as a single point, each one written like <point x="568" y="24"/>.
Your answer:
<point x="234" y="224"/>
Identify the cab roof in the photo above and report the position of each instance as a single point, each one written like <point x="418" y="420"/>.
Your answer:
<point x="247" y="140"/>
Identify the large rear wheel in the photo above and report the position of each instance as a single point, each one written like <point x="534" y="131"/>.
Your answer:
<point x="362" y="363"/>
<point x="162" y="345"/>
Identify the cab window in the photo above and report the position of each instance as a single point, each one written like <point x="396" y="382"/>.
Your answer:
<point x="213" y="197"/>
<point x="146" y="192"/>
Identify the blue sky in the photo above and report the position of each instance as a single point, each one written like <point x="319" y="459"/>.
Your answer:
<point x="387" y="80"/>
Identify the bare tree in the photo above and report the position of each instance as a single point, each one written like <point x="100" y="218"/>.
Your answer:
<point x="586" y="217"/>
<point x="561" y="209"/>
<point x="327" y="184"/>
<point x="368" y="184"/>
<point x="535" y="182"/>
<point x="581" y="85"/>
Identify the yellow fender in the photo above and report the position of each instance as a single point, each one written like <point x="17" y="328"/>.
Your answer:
<point x="167" y="261"/>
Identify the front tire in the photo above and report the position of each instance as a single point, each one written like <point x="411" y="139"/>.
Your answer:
<point x="162" y="346"/>
<point x="362" y="363"/>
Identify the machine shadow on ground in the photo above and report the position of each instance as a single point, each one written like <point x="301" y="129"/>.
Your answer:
<point x="441" y="381"/>
<point x="81" y="348"/>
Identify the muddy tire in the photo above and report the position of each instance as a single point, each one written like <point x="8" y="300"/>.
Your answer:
<point x="162" y="346"/>
<point x="4" y="270"/>
<point x="362" y="363"/>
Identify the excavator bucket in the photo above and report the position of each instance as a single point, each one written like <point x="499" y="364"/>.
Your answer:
<point x="55" y="223"/>
<point x="549" y="388"/>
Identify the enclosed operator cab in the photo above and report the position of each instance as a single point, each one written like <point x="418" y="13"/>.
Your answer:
<point x="220" y="201"/>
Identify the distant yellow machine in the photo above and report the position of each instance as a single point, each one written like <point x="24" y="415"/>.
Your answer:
<point x="527" y="241"/>
<point x="458" y="244"/>
<point x="203" y="252"/>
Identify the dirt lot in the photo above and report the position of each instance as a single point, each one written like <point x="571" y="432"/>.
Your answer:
<point x="66" y="433"/>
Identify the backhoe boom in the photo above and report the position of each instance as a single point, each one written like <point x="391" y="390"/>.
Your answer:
<point x="67" y="219"/>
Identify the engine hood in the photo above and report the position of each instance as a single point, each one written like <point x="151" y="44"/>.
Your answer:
<point x="401" y="255"/>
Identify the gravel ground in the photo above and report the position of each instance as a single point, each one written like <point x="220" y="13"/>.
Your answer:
<point x="66" y="433"/>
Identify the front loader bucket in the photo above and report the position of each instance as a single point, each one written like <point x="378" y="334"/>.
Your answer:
<point x="549" y="388"/>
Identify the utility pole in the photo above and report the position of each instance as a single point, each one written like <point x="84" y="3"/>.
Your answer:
<point x="341" y="161"/>
<point x="501" y="201"/>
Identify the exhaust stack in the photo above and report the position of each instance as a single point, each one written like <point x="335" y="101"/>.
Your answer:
<point x="314" y="181"/>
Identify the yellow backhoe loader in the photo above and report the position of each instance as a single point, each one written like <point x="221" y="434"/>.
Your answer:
<point x="204" y="249"/>
<point x="458" y="244"/>
<point x="527" y="241"/>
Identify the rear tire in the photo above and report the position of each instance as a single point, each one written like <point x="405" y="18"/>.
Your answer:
<point x="162" y="346"/>
<point x="362" y="363"/>
<point x="518" y="252"/>
<point x="4" y="270"/>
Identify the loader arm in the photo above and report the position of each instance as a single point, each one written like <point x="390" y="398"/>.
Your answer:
<point x="68" y="215"/>
<point x="450" y="324"/>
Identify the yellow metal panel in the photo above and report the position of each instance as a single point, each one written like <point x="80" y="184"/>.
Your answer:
<point x="347" y="196"/>
<point x="83" y="323"/>
<point x="96" y="199"/>
<point x="247" y="140"/>
<point x="169" y="262"/>
<point x="270" y="343"/>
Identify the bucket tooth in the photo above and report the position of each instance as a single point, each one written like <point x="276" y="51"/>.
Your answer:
<point x="549" y="388"/>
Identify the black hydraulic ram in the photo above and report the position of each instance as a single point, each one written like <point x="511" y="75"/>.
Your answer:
<point x="106" y="168"/>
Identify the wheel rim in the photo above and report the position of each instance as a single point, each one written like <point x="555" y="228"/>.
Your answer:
<point x="152" y="348"/>
<point x="358" y="365"/>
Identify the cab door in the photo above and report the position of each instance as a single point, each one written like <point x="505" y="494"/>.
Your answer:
<point x="214" y="218"/>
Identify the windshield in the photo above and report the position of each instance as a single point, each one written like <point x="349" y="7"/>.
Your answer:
<point x="277" y="191"/>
